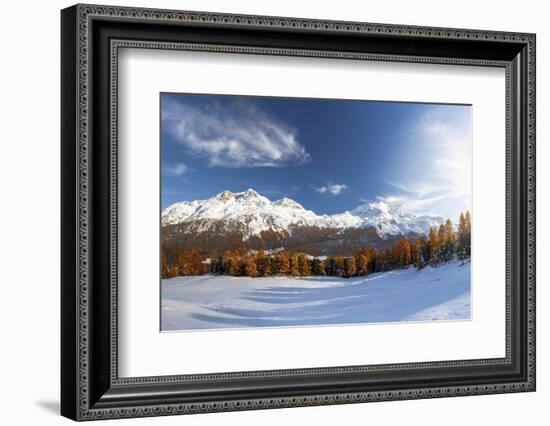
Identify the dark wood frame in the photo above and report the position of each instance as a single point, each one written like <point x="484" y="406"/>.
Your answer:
<point x="91" y="37"/>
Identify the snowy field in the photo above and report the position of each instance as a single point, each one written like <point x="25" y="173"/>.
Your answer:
<point x="210" y="302"/>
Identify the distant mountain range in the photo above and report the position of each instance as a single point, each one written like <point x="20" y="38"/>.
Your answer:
<point x="252" y="215"/>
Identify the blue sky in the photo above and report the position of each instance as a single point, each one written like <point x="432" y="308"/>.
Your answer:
<point x="329" y="155"/>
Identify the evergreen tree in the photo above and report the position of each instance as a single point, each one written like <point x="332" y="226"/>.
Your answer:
<point x="372" y="259"/>
<point x="164" y="273"/>
<point x="441" y="234"/>
<point x="339" y="266"/>
<point x="318" y="267"/>
<point x="463" y="245"/>
<point x="420" y="261"/>
<point x="468" y="236"/>
<point x="330" y="266"/>
<point x="449" y="246"/>
<point x="267" y="268"/>
<point x="433" y="246"/>
<point x="216" y="264"/>
<point x="414" y="250"/>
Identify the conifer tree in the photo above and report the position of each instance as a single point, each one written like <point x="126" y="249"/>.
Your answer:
<point x="303" y="265"/>
<point x="172" y="272"/>
<point x="234" y="268"/>
<point x="216" y="264"/>
<point x="339" y="266"/>
<point x="260" y="263"/>
<point x="267" y="268"/>
<point x="450" y="241"/>
<point x="433" y="245"/>
<point x="468" y="233"/>
<point x="318" y="267"/>
<point x="420" y="262"/>
<point x="189" y="262"/>
<point x="164" y="273"/>
<point x="372" y="259"/>
<point x="283" y="263"/>
<point x="362" y="262"/>
<point x="403" y="253"/>
<point x="350" y="266"/>
<point x="330" y="266"/>
<point x="382" y="261"/>
<point x="441" y="234"/>
<point x="294" y="266"/>
<point x="463" y="246"/>
<point x="250" y="269"/>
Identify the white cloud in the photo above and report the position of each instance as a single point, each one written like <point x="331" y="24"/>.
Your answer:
<point x="441" y="176"/>
<point x="239" y="135"/>
<point x="331" y="188"/>
<point x="175" y="169"/>
<point x="411" y="204"/>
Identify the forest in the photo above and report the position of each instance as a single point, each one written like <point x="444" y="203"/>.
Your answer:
<point x="440" y="246"/>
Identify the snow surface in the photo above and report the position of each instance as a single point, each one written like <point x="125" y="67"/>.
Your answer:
<point x="209" y="302"/>
<point x="257" y="214"/>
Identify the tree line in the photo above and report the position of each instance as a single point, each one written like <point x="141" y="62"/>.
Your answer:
<point x="441" y="245"/>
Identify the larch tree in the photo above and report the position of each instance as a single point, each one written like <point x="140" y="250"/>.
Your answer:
<point x="304" y="265"/>
<point x="403" y="253"/>
<point x="250" y="268"/>
<point x="350" y="266"/>
<point x="294" y="266"/>
<point x="362" y="262"/>
<point x="339" y="266"/>
<point x="283" y="263"/>
<point x="260" y="263"/>
<point x="450" y="241"/>
<point x="234" y="268"/>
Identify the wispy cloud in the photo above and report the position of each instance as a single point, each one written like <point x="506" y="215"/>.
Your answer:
<point x="235" y="135"/>
<point x="418" y="189"/>
<point x="444" y="176"/>
<point x="331" y="188"/>
<point x="177" y="169"/>
<point x="410" y="204"/>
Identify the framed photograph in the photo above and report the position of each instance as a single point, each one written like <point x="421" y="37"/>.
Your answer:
<point x="263" y="212"/>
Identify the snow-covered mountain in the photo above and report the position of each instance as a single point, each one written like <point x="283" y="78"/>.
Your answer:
<point x="388" y="219"/>
<point x="254" y="214"/>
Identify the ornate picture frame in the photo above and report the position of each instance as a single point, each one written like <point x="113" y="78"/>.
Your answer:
<point x="91" y="37"/>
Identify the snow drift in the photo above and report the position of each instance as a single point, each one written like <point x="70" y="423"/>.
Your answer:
<point x="213" y="302"/>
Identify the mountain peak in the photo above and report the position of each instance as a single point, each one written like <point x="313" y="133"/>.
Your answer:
<point x="287" y="202"/>
<point x="250" y="193"/>
<point x="225" y="195"/>
<point x="256" y="213"/>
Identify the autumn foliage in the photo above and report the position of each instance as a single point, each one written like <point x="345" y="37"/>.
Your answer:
<point x="441" y="245"/>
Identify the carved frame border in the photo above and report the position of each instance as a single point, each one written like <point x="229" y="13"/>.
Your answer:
<point x="87" y="12"/>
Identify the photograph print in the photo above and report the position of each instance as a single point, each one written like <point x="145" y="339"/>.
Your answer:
<point x="285" y="212"/>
